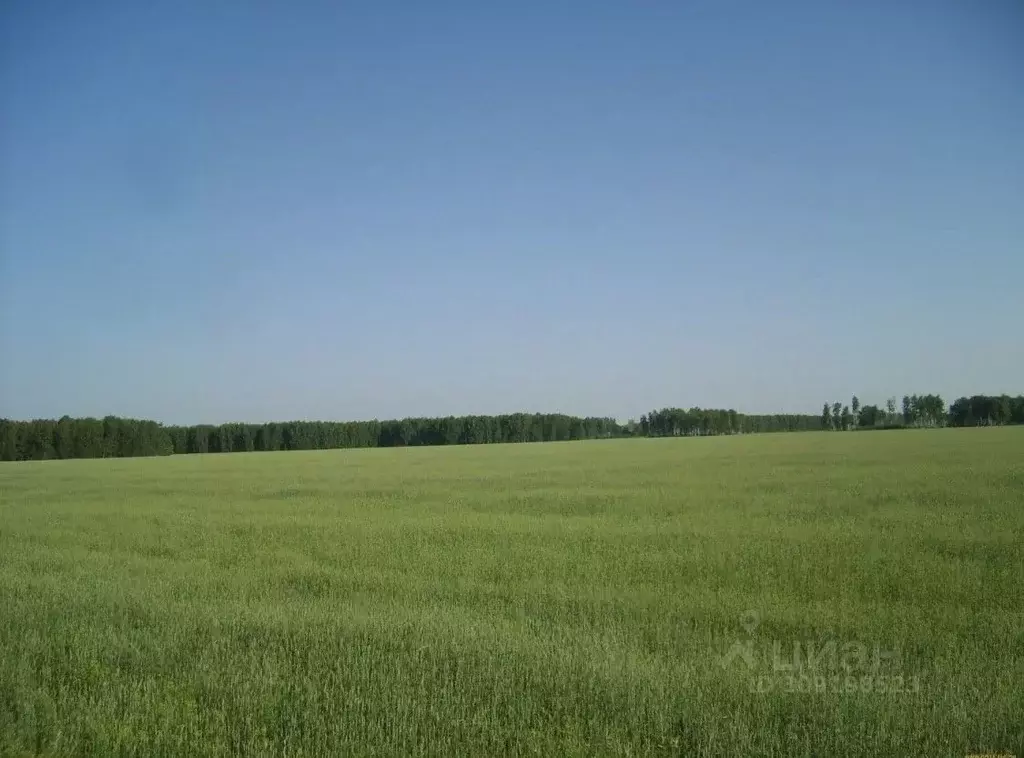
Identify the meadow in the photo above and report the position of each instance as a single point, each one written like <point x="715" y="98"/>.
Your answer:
<point x="810" y="594"/>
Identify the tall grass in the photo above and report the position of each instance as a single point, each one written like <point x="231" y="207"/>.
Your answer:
<point x="550" y="599"/>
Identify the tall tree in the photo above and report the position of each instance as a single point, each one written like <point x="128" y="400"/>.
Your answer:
<point x="64" y="437"/>
<point x="890" y="408"/>
<point x="9" y="440"/>
<point x="1004" y="410"/>
<point x="869" y="416"/>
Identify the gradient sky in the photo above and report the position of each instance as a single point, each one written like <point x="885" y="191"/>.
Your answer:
<point x="215" y="211"/>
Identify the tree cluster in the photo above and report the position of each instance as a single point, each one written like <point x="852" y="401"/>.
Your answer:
<point x="674" y="422"/>
<point x="114" y="437"/>
<point x="110" y="437"/>
<point x="451" y="430"/>
<point x="924" y="411"/>
<point x="987" y="410"/>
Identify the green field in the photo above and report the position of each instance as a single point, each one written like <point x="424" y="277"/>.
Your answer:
<point x="548" y="599"/>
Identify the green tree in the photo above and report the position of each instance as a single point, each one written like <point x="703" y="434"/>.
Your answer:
<point x="64" y="437"/>
<point x="846" y="419"/>
<point x="890" y="408"/>
<point x="8" y="440"/>
<point x="1004" y="410"/>
<point x="38" y="440"/>
<point x="869" y="416"/>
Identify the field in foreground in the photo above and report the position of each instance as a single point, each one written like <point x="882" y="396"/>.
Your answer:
<point x="787" y="595"/>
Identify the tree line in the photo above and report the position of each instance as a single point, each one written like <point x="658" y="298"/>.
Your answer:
<point x="924" y="411"/>
<point x="111" y="437"/>
<point x="115" y="437"/>
<point x="451" y="430"/>
<point x="673" y="422"/>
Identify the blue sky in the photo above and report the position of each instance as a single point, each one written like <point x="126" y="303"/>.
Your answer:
<point x="269" y="210"/>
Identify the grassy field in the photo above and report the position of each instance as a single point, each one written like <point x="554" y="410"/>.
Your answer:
<point x="785" y="595"/>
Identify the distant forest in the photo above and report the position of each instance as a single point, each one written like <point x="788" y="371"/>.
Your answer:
<point x="115" y="437"/>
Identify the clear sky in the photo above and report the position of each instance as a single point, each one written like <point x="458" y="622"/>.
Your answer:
<point x="215" y="211"/>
